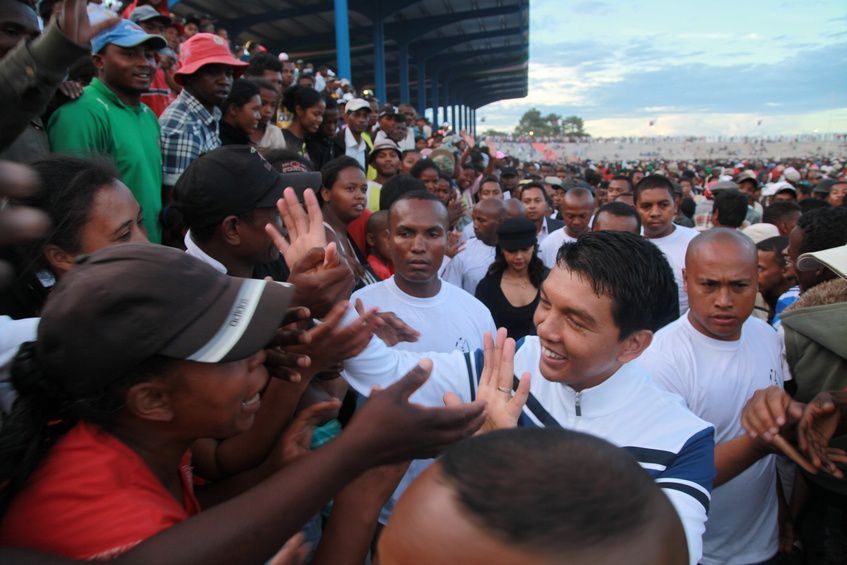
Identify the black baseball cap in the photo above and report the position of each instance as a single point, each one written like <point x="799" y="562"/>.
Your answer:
<point x="124" y="304"/>
<point x="233" y="179"/>
<point x="508" y="172"/>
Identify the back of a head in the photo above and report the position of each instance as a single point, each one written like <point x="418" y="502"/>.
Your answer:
<point x="261" y="62"/>
<point x="731" y="208"/>
<point x="630" y="270"/>
<point x="395" y="187"/>
<point x="823" y="228"/>
<point x="778" y="211"/>
<point x="421" y="166"/>
<point x="619" y="209"/>
<point x="600" y="506"/>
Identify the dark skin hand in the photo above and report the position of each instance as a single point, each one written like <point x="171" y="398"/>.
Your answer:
<point x="821" y="420"/>
<point x="248" y="527"/>
<point x="321" y="280"/>
<point x="393" y="330"/>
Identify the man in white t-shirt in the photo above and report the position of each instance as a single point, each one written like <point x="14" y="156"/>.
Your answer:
<point x="716" y="357"/>
<point x="599" y="308"/>
<point x="446" y="317"/>
<point x="655" y="203"/>
<point x="471" y="264"/>
<point x="577" y="207"/>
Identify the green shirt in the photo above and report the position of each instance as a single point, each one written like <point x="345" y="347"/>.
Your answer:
<point x="100" y="123"/>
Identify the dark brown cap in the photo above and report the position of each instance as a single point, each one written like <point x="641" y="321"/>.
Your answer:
<point x="124" y="304"/>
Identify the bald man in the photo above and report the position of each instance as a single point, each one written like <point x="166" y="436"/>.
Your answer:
<point x="715" y="357"/>
<point x="602" y="508"/>
<point x="577" y="207"/>
<point x="471" y="264"/>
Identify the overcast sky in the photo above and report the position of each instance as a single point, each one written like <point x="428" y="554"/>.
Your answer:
<point x="707" y="67"/>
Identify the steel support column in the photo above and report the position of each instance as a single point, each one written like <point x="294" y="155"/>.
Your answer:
<point x="379" y="51"/>
<point x="434" y="80"/>
<point x="405" y="98"/>
<point x="342" y="40"/>
<point x="421" y="64"/>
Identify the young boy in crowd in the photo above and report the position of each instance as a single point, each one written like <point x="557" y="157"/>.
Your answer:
<point x="378" y="241"/>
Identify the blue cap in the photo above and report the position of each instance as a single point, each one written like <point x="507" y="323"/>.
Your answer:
<point x="126" y="34"/>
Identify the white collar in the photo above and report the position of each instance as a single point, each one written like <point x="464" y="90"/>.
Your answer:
<point x="350" y="141"/>
<point x="194" y="250"/>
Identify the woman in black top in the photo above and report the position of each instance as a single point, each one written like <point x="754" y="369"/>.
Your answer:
<point x="511" y="288"/>
<point x="307" y="108"/>
<point x="241" y="113"/>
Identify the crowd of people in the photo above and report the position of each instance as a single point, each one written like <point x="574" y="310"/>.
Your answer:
<point x="250" y="314"/>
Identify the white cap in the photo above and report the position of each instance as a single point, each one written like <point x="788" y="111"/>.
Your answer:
<point x="791" y="174"/>
<point x="774" y="187"/>
<point x="760" y="232"/>
<point x="835" y="259"/>
<point x="283" y="57"/>
<point x="357" y="104"/>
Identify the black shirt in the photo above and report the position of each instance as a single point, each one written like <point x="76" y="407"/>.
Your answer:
<point x="231" y="135"/>
<point x="516" y="319"/>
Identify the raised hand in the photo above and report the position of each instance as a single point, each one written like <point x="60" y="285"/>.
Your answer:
<point x="502" y="407"/>
<point x="818" y="424"/>
<point x="320" y="280"/>
<point x="74" y="23"/>
<point x="329" y="343"/>
<point x="393" y="330"/>
<point x="388" y="428"/>
<point x="282" y="361"/>
<point x="305" y="227"/>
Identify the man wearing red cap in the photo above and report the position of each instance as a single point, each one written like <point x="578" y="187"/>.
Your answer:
<point x="190" y="123"/>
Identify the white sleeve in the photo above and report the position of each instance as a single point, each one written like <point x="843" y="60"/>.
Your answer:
<point x="544" y="253"/>
<point x="786" y="368"/>
<point x="453" y="272"/>
<point x="13" y="333"/>
<point x="381" y="365"/>
<point x="668" y="371"/>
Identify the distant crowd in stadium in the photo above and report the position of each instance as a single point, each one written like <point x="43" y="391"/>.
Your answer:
<point x="249" y="313"/>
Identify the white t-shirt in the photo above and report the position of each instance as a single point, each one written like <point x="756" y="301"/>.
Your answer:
<point x="13" y="334"/>
<point x="716" y="378"/>
<point x="470" y="265"/>
<point x="272" y="139"/>
<point x="467" y="233"/>
<point x="452" y="320"/>
<point x="674" y="247"/>
<point x="549" y="248"/>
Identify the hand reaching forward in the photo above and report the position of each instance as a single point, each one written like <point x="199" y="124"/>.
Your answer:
<point x="305" y="227"/>
<point x="389" y="429"/>
<point x="74" y="23"/>
<point x="502" y="407"/>
<point x="819" y="423"/>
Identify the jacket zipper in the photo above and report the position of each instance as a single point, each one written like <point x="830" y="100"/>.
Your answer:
<point x="578" y="405"/>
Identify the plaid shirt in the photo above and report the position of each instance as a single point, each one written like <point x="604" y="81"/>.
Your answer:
<point x="188" y="131"/>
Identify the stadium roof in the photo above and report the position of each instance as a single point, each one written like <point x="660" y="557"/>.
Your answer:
<point x="468" y="53"/>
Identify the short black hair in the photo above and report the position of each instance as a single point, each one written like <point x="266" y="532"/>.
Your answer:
<point x="620" y="209"/>
<point x="262" y="83"/>
<point x="809" y="204"/>
<point x="775" y="244"/>
<point x="241" y="93"/>
<point x="261" y="62"/>
<point x="422" y="165"/>
<point x="731" y="208"/>
<point x="650" y="182"/>
<point x="302" y="96"/>
<point x="330" y="171"/>
<point x="601" y="496"/>
<point x="779" y="211"/>
<point x="625" y="178"/>
<point x="395" y="187"/>
<point x="631" y="271"/>
<point x="823" y="228"/>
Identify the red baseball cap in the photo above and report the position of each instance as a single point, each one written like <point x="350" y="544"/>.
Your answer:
<point x="206" y="49"/>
